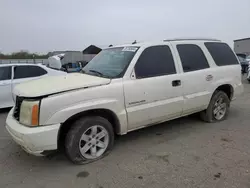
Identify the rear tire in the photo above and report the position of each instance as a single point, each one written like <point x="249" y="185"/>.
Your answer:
<point x="218" y="108"/>
<point x="81" y="146"/>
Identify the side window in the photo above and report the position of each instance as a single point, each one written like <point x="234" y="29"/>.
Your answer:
<point x="5" y="73"/>
<point x="221" y="53"/>
<point x="28" y="71"/>
<point x="192" y="57"/>
<point x="155" y="61"/>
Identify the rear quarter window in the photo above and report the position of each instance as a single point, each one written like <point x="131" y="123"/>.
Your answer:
<point x="192" y="57"/>
<point x="28" y="71"/>
<point x="221" y="53"/>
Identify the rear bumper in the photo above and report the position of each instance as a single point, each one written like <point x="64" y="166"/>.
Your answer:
<point x="34" y="140"/>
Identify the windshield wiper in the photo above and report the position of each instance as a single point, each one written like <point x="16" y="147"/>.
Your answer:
<point x="97" y="72"/>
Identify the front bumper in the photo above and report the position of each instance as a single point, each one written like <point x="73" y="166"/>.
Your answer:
<point x="34" y="140"/>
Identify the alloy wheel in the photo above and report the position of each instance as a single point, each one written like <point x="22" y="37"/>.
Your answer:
<point x="94" y="142"/>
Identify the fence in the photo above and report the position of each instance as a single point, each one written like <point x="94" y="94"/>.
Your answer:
<point x="32" y="61"/>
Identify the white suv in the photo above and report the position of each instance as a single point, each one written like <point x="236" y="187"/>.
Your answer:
<point x="122" y="89"/>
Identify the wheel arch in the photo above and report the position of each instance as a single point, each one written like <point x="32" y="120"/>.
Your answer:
<point x="227" y="88"/>
<point x="105" y="113"/>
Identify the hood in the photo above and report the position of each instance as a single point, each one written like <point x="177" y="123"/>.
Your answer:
<point x="56" y="84"/>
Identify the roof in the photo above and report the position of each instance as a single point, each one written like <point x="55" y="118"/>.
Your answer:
<point x="185" y="39"/>
<point x="241" y="39"/>
<point x="139" y="44"/>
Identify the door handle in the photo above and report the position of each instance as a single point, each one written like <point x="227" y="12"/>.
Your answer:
<point x="176" y="83"/>
<point x="209" y="77"/>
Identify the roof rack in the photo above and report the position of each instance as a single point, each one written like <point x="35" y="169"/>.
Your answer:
<point x="180" y="39"/>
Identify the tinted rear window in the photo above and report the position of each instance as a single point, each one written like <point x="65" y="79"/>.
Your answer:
<point x="28" y="72"/>
<point x="221" y="53"/>
<point x="192" y="57"/>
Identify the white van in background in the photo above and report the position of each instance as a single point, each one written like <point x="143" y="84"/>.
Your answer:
<point x="55" y="61"/>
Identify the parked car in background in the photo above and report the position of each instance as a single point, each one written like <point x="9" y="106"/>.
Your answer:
<point x="74" y="67"/>
<point x="13" y="74"/>
<point x="124" y="88"/>
<point x="248" y="73"/>
<point x="248" y="58"/>
<point x="244" y="62"/>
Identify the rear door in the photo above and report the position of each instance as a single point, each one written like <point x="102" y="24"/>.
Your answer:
<point x="153" y="93"/>
<point x="227" y="69"/>
<point x="197" y="77"/>
<point x="5" y="87"/>
<point x="24" y="73"/>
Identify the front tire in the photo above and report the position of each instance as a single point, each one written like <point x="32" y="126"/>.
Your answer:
<point x="89" y="139"/>
<point x="218" y="108"/>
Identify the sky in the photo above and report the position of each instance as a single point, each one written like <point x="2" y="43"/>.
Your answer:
<point x="48" y="25"/>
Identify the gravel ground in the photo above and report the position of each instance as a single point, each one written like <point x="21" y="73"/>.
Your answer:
<point x="181" y="153"/>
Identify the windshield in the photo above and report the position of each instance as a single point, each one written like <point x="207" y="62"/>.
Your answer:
<point x="111" y="63"/>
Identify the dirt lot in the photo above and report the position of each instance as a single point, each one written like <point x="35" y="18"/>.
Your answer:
<point x="181" y="153"/>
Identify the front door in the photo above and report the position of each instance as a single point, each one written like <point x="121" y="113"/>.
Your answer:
<point x="6" y="99"/>
<point x="154" y="91"/>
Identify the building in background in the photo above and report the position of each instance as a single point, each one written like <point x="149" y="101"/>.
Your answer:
<point x="90" y="52"/>
<point x="69" y="57"/>
<point x="74" y="61"/>
<point x="242" y="46"/>
<point x="78" y="56"/>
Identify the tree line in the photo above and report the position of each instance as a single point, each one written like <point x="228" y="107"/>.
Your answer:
<point x="23" y="55"/>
